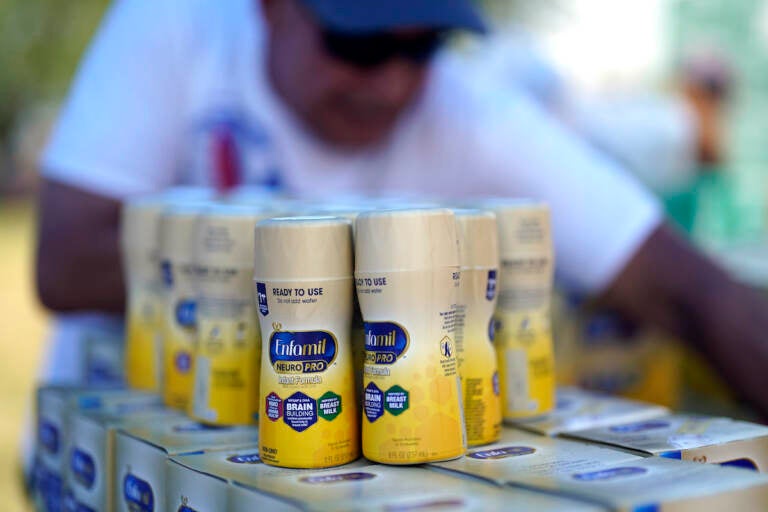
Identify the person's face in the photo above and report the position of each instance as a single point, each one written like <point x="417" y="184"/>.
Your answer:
<point x="343" y="103"/>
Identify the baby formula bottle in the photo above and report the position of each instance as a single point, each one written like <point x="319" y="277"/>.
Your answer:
<point x="407" y="277"/>
<point x="177" y="234"/>
<point x="139" y="239"/>
<point x="476" y="355"/>
<point x="140" y="247"/>
<point x="228" y="354"/>
<point x="303" y="274"/>
<point x="523" y="335"/>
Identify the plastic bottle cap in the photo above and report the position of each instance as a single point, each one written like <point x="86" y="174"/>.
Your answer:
<point x="404" y="240"/>
<point x="478" y="239"/>
<point x="303" y="248"/>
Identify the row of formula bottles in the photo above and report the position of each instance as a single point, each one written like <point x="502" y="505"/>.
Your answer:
<point x="258" y="317"/>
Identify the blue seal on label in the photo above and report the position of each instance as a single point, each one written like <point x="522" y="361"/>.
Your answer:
<point x="490" y="290"/>
<point x="261" y="295"/>
<point x="138" y="494"/>
<point x="83" y="468"/>
<point x="300" y="412"/>
<point x="492" y="330"/>
<point x="640" y="426"/>
<point x="302" y="351"/>
<point x="48" y="436"/>
<point x="609" y="474"/>
<point x="250" y="458"/>
<point x="183" y="361"/>
<point x="495" y="384"/>
<point x="385" y="342"/>
<point x="186" y="313"/>
<point x="334" y="479"/>
<point x="373" y="402"/>
<point x="274" y="406"/>
<point x="501" y="453"/>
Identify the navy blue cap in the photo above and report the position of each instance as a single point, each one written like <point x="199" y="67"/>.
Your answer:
<point x="381" y="15"/>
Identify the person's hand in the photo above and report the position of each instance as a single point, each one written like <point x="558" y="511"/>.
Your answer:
<point x="671" y="285"/>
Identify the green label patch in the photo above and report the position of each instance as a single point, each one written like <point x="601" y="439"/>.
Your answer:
<point x="329" y="406"/>
<point x="396" y="400"/>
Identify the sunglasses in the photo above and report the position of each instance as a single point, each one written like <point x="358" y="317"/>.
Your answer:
<point x="368" y="51"/>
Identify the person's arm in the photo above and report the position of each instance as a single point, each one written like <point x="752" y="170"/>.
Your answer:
<point x="670" y="284"/>
<point x="78" y="254"/>
<point x="119" y="135"/>
<point x="609" y="241"/>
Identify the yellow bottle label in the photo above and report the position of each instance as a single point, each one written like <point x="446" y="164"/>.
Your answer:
<point x="412" y="410"/>
<point x="179" y="334"/>
<point x="357" y="342"/>
<point x="526" y="363"/>
<point x="308" y="412"/>
<point x="477" y="356"/>
<point x="227" y="363"/>
<point x="143" y="347"/>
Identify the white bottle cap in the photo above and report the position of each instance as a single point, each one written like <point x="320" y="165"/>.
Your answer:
<point x="177" y="230"/>
<point x="224" y="235"/>
<point x="405" y="240"/>
<point x="349" y="211"/>
<point x="303" y="248"/>
<point x="524" y="227"/>
<point x="478" y="239"/>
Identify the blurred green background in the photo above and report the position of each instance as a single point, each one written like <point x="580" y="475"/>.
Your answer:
<point x="42" y="41"/>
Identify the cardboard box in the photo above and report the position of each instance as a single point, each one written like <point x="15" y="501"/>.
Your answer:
<point x="378" y="487"/>
<point x="658" y="484"/>
<point x="201" y="481"/>
<point x="141" y="453"/>
<point x="90" y="477"/>
<point x="189" y="489"/>
<point x="688" y="437"/>
<point x="242" y="498"/>
<point x="521" y="456"/>
<point x="55" y="406"/>
<point x="577" y="409"/>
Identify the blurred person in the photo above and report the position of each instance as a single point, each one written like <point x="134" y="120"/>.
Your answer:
<point x="326" y="97"/>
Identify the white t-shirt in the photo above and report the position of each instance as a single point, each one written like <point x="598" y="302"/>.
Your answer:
<point x="653" y="135"/>
<point x="171" y="90"/>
